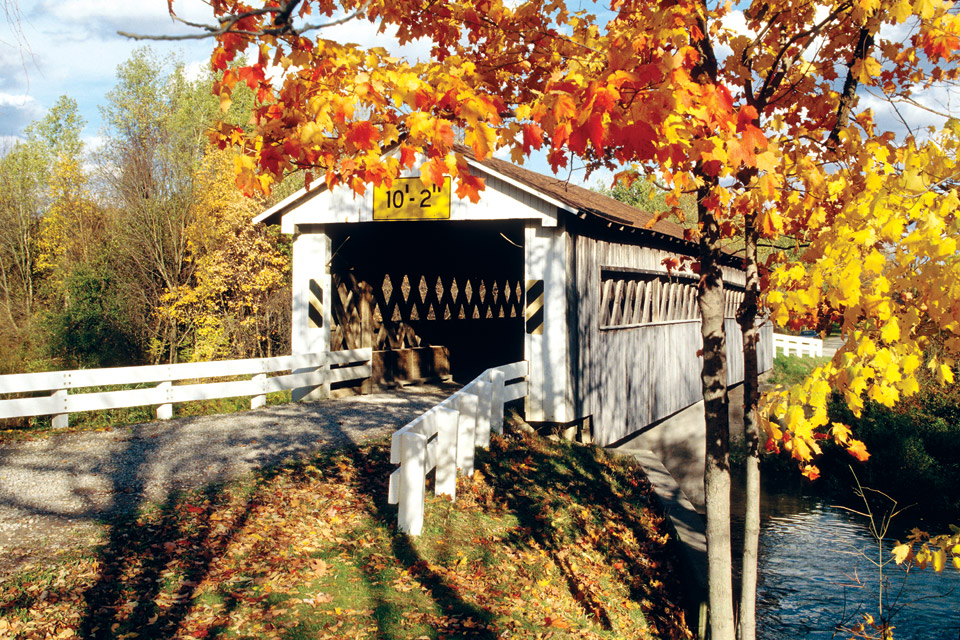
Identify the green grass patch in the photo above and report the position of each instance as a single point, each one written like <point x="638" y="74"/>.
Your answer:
<point x="546" y="540"/>
<point x="790" y="370"/>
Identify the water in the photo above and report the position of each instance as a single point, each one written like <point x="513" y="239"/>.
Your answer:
<point x="816" y="572"/>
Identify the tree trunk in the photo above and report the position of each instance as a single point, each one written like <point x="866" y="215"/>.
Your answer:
<point x="716" y="476"/>
<point x="747" y="317"/>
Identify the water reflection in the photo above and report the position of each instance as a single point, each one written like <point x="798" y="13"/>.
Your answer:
<point x="817" y="570"/>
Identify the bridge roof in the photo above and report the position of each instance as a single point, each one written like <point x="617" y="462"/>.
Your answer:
<point x="579" y="200"/>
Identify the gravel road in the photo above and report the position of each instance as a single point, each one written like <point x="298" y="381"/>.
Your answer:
<point x="54" y="491"/>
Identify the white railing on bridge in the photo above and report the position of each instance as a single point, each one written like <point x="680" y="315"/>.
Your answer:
<point x="812" y="347"/>
<point x="307" y="370"/>
<point x="445" y="438"/>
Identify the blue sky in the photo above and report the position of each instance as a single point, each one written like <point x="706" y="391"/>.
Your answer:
<point x="71" y="47"/>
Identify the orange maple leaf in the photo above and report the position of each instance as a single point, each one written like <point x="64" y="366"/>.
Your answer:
<point x="469" y="186"/>
<point x="858" y="450"/>
<point x="811" y="472"/>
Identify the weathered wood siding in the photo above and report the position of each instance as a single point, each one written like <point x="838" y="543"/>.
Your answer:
<point x="630" y="377"/>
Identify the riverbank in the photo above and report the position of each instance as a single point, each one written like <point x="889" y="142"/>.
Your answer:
<point x="549" y="538"/>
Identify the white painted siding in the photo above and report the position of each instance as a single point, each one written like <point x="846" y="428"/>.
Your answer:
<point x="311" y="255"/>
<point x="550" y="393"/>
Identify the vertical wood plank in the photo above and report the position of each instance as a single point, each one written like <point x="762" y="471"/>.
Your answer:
<point x="413" y="452"/>
<point x="447" y="432"/>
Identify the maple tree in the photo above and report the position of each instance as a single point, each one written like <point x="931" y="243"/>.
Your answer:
<point x="761" y="124"/>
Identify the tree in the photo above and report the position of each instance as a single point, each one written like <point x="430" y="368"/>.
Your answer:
<point x="763" y="127"/>
<point x="22" y="177"/>
<point x="156" y="120"/>
<point x="236" y="302"/>
<point x="72" y="224"/>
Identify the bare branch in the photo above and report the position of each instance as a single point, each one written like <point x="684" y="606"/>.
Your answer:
<point x="282" y="21"/>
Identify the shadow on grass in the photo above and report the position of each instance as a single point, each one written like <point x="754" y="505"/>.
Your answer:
<point x="567" y="497"/>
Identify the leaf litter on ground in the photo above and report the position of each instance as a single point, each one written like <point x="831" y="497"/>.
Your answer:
<point x="547" y="540"/>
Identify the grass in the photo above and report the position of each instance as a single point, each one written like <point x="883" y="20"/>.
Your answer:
<point x="789" y="370"/>
<point x="548" y="540"/>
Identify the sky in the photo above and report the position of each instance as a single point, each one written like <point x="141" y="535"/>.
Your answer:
<point x="72" y="47"/>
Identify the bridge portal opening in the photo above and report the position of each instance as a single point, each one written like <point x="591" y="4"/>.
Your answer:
<point x="433" y="299"/>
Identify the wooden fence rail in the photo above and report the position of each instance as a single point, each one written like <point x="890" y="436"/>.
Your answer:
<point x="445" y="438"/>
<point x="812" y="347"/>
<point x="307" y="370"/>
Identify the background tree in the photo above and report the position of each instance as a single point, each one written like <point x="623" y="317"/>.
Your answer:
<point x="22" y="177"/>
<point x="236" y="303"/>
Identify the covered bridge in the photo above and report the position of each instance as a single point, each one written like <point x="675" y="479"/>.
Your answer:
<point x="537" y="270"/>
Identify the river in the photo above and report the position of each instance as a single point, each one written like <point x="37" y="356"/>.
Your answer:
<point x="816" y="571"/>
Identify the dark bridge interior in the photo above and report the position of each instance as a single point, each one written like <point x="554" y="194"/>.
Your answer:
<point x="422" y="292"/>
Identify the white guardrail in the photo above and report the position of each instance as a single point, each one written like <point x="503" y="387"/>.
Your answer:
<point x="307" y="370"/>
<point x="445" y="437"/>
<point x="812" y="347"/>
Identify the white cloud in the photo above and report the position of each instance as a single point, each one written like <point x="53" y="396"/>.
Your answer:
<point x="897" y="117"/>
<point x="16" y="112"/>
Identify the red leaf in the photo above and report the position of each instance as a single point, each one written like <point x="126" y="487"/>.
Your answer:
<point x="253" y="76"/>
<point x="753" y="137"/>
<point x="408" y="155"/>
<point x="469" y="186"/>
<point x="532" y="137"/>
<point x="362" y="135"/>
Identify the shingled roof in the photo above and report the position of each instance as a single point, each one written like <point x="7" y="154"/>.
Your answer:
<point x="584" y="201"/>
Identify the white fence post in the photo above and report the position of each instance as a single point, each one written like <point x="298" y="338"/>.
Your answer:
<point x="496" y="400"/>
<point x="484" y="402"/>
<point x="467" y="430"/>
<point x="61" y="420"/>
<point x="446" y="477"/>
<point x="260" y="401"/>
<point x="413" y="454"/>
<point x="165" y="411"/>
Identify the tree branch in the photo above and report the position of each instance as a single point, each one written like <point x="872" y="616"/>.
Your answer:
<point x="281" y="19"/>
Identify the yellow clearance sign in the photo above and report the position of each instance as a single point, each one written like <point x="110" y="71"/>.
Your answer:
<point x="411" y="199"/>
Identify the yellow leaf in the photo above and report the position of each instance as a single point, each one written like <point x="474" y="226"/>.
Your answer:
<point x="890" y="332"/>
<point x="939" y="560"/>
<point x="841" y="432"/>
<point x="901" y="552"/>
<point x="925" y="8"/>
<point x="945" y="374"/>
<point x="874" y="262"/>
<point x="869" y="69"/>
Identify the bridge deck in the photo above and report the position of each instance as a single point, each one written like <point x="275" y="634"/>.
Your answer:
<point x="65" y="483"/>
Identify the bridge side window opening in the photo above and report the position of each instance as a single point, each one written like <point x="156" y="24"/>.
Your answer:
<point x="636" y="297"/>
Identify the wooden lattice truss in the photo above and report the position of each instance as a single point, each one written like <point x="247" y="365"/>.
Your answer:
<point x="631" y="298"/>
<point x="386" y="315"/>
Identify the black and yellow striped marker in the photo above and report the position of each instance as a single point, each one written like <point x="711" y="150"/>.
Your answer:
<point x="534" y="310"/>
<point x="315" y="305"/>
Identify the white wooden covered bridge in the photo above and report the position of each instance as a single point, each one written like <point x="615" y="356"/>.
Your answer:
<point x="571" y="281"/>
